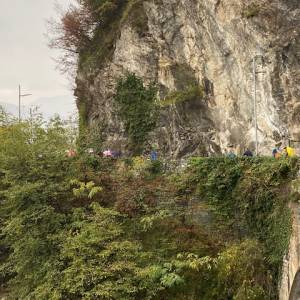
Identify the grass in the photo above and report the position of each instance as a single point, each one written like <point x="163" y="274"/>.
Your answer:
<point x="192" y="92"/>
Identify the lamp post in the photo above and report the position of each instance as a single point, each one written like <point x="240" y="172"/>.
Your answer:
<point x="20" y="96"/>
<point x="257" y="55"/>
<point x="255" y="106"/>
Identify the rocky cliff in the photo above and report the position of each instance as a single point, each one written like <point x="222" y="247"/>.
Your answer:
<point x="211" y="43"/>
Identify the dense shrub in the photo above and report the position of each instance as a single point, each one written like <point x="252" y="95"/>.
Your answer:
<point x="92" y="228"/>
<point x="249" y="198"/>
<point x="137" y="107"/>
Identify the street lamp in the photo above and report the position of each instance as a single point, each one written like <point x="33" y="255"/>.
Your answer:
<point x="20" y="96"/>
<point x="257" y="55"/>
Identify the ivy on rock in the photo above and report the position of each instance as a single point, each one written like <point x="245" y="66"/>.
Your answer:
<point x="137" y="108"/>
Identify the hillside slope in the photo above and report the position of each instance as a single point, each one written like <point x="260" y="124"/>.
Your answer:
<point x="86" y="227"/>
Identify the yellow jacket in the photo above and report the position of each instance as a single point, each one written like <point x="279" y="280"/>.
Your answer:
<point x="290" y="151"/>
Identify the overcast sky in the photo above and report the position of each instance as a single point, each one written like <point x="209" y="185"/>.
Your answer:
<point x="24" y="55"/>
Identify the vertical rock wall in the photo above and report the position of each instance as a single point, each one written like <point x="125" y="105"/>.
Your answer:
<point x="290" y="282"/>
<point x="211" y="42"/>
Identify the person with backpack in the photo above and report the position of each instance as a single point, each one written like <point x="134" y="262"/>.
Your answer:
<point x="276" y="152"/>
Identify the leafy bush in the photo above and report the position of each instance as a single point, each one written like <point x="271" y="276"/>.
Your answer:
<point x="249" y="197"/>
<point x="35" y="194"/>
<point x="237" y="271"/>
<point x="137" y="108"/>
<point x="155" y="167"/>
<point x="95" y="262"/>
<point x="107" y="235"/>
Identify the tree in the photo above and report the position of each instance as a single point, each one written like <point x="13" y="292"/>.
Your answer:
<point x="75" y="28"/>
<point x="97" y="260"/>
<point x="34" y="194"/>
<point x="71" y="33"/>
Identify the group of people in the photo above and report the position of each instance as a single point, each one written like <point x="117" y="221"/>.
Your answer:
<point x="111" y="154"/>
<point x="277" y="152"/>
<point x="108" y="153"/>
<point x="285" y="152"/>
<point x="231" y="154"/>
<point x="153" y="154"/>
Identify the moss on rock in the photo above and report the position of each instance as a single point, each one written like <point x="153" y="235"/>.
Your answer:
<point x="190" y="93"/>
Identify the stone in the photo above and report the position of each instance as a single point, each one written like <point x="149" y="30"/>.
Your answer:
<point x="289" y="288"/>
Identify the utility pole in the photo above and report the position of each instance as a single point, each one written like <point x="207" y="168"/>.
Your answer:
<point x="259" y="54"/>
<point x="20" y="96"/>
<point x="255" y="106"/>
<point x="19" y="103"/>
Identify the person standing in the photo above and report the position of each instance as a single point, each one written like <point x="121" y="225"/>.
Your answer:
<point x="248" y="153"/>
<point x="231" y="153"/>
<point x="153" y="155"/>
<point x="276" y="152"/>
<point x="291" y="152"/>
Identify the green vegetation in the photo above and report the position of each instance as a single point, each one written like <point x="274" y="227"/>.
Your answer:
<point x="135" y="14"/>
<point x="87" y="30"/>
<point x="111" y="15"/>
<point x="250" y="197"/>
<point x="137" y="108"/>
<point x="191" y="92"/>
<point x="83" y="120"/>
<point x="92" y="228"/>
<point x="252" y="10"/>
<point x="91" y="136"/>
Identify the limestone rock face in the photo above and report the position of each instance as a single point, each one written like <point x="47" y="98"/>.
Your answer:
<point x="289" y="288"/>
<point x="211" y="42"/>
